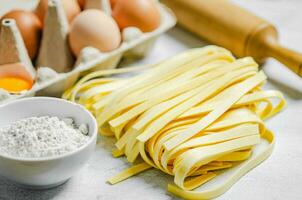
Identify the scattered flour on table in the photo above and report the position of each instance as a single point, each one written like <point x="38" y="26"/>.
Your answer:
<point x="44" y="136"/>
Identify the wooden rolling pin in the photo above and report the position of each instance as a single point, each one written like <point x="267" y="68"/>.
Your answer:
<point x="228" y="25"/>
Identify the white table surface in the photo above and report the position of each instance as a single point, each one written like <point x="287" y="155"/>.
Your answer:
<point x="279" y="177"/>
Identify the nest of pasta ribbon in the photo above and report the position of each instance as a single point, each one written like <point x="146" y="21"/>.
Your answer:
<point x="191" y="116"/>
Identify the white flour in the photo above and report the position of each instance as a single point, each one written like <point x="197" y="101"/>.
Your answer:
<point x="45" y="136"/>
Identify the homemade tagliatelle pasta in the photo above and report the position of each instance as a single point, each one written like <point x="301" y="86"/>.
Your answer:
<point x="197" y="116"/>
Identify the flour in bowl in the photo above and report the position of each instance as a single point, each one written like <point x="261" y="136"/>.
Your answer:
<point x="45" y="136"/>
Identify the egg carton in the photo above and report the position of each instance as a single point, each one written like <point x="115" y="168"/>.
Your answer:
<point x="134" y="45"/>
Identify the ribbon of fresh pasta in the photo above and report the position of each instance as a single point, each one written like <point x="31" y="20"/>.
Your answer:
<point x="192" y="116"/>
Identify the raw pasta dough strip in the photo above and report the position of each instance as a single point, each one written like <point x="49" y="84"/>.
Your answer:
<point x="240" y="171"/>
<point x="191" y="116"/>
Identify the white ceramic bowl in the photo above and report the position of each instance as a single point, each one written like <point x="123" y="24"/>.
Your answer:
<point x="46" y="172"/>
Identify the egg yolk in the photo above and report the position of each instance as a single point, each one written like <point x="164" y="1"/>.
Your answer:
<point x="14" y="84"/>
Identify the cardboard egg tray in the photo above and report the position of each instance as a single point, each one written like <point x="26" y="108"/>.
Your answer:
<point x="137" y="47"/>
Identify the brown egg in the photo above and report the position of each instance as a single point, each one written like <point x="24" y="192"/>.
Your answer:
<point x="143" y="14"/>
<point x="94" y="28"/>
<point x="71" y="8"/>
<point x="30" y="28"/>
<point x="81" y="3"/>
<point x="112" y="3"/>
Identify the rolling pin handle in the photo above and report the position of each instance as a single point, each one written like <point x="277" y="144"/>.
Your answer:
<point x="290" y="58"/>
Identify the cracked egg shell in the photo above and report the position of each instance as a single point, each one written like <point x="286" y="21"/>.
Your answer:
<point x="14" y="78"/>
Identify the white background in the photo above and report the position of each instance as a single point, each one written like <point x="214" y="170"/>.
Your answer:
<point x="279" y="177"/>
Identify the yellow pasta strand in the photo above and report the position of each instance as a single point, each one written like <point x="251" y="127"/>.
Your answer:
<point x="129" y="172"/>
<point x="192" y="116"/>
